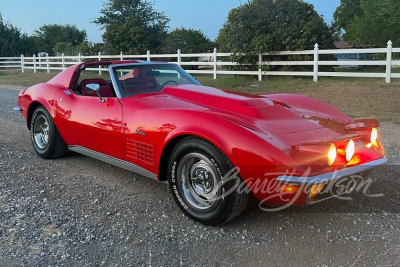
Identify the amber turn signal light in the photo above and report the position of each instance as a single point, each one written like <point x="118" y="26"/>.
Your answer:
<point x="315" y="190"/>
<point x="290" y="188"/>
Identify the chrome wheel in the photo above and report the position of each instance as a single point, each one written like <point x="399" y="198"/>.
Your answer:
<point x="195" y="175"/>
<point x="198" y="181"/>
<point x="41" y="132"/>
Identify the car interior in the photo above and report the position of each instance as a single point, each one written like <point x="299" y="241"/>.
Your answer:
<point x="136" y="81"/>
<point x="106" y="89"/>
<point x="140" y="81"/>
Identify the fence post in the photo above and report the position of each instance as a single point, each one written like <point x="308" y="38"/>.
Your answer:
<point x="34" y="63"/>
<point x="179" y="57"/>
<point x="48" y="63"/>
<point x="22" y="64"/>
<point x="389" y="62"/>
<point x="100" y="70"/>
<point x="148" y="55"/>
<point x="215" y="63"/>
<point x="121" y="55"/>
<point x="316" y="59"/>
<point x="260" y="58"/>
<point x="80" y="58"/>
<point x="63" y="61"/>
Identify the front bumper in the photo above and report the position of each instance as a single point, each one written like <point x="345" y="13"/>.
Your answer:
<point x="333" y="184"/>
<point x="327" y="177"/>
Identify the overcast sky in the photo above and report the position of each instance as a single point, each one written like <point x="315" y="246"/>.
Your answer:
<point x="205" y="15"/>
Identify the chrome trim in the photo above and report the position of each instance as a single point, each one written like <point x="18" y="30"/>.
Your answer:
<point x="114" y="81"/>
<point x="17" y="109"/>
<point x="67" y="92"/>
<point x="311" y="202"/>
<point x="113" y="161"/>
<point x="326" y="177"/>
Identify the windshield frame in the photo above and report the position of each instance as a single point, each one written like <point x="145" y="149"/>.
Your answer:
<point x="113" y="69"/>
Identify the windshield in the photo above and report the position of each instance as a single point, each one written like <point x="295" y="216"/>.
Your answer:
<point x="149" y="78"/>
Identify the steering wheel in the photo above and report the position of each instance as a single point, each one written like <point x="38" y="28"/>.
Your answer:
<point x="170" y="81"/>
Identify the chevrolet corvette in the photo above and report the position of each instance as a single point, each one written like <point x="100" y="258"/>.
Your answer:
<point x="215" y="148"/>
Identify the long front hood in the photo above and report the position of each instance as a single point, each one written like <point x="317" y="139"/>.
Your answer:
<point x="253" y="111"/>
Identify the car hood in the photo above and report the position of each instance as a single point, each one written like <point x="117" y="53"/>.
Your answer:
<point x="253" y="111"/>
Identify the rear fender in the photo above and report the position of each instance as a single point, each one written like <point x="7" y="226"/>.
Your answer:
<point x="35" y="96"/>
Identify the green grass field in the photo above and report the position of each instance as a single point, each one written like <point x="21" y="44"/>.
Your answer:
<point x="358" y="97"/>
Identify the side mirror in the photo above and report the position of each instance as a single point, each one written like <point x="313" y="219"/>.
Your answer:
<point x="94" y="87"/>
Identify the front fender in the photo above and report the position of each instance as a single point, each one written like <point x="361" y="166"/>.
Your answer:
<point x="309" y="103"/>
<point x="247" y="149"/>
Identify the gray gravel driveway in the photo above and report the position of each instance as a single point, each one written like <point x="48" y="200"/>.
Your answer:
<point x="77" y="211"/>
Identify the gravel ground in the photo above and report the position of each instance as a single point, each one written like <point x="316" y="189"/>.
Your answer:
<point x="77" y="211"/>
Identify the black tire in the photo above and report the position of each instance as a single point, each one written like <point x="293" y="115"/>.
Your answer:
<point x="46" y="140"/>
<point x="204" y="183"/>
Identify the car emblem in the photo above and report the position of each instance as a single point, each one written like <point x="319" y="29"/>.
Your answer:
<point x="138" y="131"/>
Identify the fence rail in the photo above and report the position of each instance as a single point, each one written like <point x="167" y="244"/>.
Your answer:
<point x="213" y="63"/>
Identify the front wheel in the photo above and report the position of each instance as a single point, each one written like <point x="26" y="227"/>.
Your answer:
<point x="204" y="182"/>
<point x="46" y="139"/>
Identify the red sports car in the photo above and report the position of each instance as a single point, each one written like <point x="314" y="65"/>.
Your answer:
<point x="214" y="147"/>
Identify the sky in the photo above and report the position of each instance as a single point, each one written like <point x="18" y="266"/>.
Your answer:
<point x="205" y="15"/>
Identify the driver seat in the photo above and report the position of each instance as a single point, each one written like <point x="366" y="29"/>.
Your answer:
<point x="105" y="88"/>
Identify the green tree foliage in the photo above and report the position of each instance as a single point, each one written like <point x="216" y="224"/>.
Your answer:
<point x="274" y="25"/>
<point x="67" y="48"/>
<point x="86" y="48"/>
<point x="188" y="40"/>
<point x="49" y="35"/>
<point x="89" y="48"/>
<point x="132" y="26"/>
<point x="344" y="18"/>
<point x="369" y="22"/>
<point x="12" y="41"/>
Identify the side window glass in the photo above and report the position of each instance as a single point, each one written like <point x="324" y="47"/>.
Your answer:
<point x="353" y="56"/>
<point x="89" y="76"/>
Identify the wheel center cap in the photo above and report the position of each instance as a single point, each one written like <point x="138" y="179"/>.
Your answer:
<point x="202" y="175"/>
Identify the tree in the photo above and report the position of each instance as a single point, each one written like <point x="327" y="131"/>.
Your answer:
<point x="85" y="48"/>
<point x="132" y="26"/>
<point x="12" y="41"/>
<point x="67" y="48"/>
<point x="90" y="48"/>
<point x="369" y="22"/>
<point x="274" y="25"/>
<point x="344" y="18"/>
<point x="188" y="40"/>
<point x="48" y="35"/>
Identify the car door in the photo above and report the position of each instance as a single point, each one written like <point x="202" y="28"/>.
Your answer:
<point x="87" y="122"/>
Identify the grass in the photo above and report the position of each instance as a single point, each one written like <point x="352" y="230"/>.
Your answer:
<point x="28" y="78"/>
<point x="358" y="97"/>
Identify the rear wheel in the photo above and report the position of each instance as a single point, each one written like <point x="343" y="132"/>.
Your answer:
<point x="46" y="139"/>
<point x="204" y="182"/>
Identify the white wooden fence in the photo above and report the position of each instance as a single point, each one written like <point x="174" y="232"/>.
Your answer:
<point x="211" y="63"/>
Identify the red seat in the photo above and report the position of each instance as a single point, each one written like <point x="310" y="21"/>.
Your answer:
<point x="105" y="88"/>
<point x="135" y="86"/>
